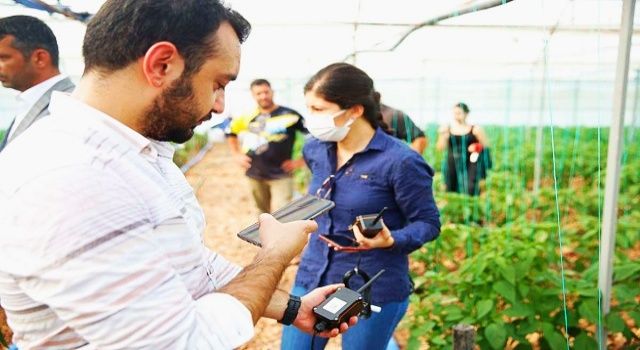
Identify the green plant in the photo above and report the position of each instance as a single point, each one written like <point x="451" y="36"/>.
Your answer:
<point x="497" y="266"/>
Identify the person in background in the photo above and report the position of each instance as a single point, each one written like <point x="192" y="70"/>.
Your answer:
<point x="402" y="126"/>
<point x="262" y="144"/>
<point x="468" y="158"/>
<point x="356" y="164"/>
<point x="29" y="63"/>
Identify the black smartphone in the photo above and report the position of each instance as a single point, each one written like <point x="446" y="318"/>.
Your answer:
<point x="307" y="207"/>
<point x="342" y="243"/>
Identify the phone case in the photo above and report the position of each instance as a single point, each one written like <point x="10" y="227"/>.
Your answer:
<point x="346" y="249"/>
<point x="307" y="207"/>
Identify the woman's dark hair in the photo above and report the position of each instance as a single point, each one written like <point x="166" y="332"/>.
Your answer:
<point x="463" y="106"/>
<point x="29" y="34"/>
<point x="347" y="86"/>
<point x="123" y="30"/>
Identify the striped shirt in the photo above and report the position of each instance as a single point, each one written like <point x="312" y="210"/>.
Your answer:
<point x="102" y="244"/>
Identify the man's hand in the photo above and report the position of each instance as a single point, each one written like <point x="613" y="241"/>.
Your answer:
<point x="290" y="165"/>
<point x="384" y="239"/>
<point x="243" y="160"/>
<point x="285" y="240"/>
<point x="306" y="318"/>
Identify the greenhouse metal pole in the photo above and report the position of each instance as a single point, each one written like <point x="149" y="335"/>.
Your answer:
<point x="612" y="184"/>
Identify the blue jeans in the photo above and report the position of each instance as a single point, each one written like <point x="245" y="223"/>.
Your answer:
<point x="371" y="334"/>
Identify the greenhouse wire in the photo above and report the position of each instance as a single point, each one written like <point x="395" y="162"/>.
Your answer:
<point x="461" y="175"/>
<point x="555" y="190"/>
<point x="600" y="326"/>
<point x="505" y="136"/>
<point x="566" y="131"/>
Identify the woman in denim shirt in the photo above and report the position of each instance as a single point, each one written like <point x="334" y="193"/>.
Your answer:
<point x="362" y="169"/>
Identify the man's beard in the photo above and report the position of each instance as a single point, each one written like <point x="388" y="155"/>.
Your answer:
<point x="173" y="115"/>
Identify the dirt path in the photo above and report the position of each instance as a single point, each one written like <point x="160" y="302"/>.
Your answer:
<point x="224" y="194"/>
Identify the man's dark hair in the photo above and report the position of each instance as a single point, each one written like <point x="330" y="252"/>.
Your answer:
<point x="260" y="82"/>
<point x="123" y="30"/>
<point x="29" y="34"/>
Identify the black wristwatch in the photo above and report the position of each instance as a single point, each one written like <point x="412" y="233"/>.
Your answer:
<point x="291" y="312"/>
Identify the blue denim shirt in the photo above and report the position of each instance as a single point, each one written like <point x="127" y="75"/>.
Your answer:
<point x="386" y="173"/>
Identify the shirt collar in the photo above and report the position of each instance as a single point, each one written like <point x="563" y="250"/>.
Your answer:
<point x="33" y="94"/>
<point x="378" y="142"/>
<point x="65" y="105"/>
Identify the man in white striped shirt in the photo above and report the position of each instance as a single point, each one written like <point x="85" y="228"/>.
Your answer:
<point x="100" y="232"/>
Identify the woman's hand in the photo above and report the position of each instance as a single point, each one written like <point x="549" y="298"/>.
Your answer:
<point x="384" y="239"/>
<point x="475" y="147"/>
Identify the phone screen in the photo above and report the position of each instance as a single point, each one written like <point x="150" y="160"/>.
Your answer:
<point x="341" y="243"/>
<point x="306" y="207"/>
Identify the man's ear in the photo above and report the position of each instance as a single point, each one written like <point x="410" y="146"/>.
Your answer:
<point x="41" y="58"/>
<point x="162" y="64"/>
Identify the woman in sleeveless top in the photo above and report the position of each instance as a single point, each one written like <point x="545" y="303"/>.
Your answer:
<point x="464" y="144"/>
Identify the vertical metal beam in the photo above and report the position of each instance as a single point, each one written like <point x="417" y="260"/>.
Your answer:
<point x="612" y="184"/>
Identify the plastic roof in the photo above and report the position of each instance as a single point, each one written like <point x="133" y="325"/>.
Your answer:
<point x="292" y="39"/>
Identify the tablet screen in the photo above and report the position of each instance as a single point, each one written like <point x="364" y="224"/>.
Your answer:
<point x="304" y="208"/>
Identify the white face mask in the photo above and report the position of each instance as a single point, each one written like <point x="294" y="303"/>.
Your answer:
<point x="323" y="127"/>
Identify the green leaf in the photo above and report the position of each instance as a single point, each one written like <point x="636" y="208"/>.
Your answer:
<point x="588" y="291"/>
<point x="484" y="307"/>
<point x="426" y="327"/>
<point x="509" y="273"/>
<point x="585" y="342"/>
<point x="524" y="290"/>
<point x="626" y="293"/>
<point x="453" y="313"/>
<point x="636" y="316"/>
<point x="507" y="291"/>
<point x="556" y="340"/>
<point x="523" y="268"/>
<point x="496" y="336"/>
<point x="454" y="316"/>
<point x="519" y="310"/>
<point x="467" y="320"/>
<point x="527" y="327"/>
<point x="625" y="271"/>
<point x="480" y="267"/>
<point x="588" y="309"/>
<point x="414" y="343"/>
<point x="438" y="341"/>
<point x="548" y="328"/>
<point x="614" y="322"/>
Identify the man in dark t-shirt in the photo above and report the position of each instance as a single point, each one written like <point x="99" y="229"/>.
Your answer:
<point x="402" y="127"/>
<point x="262" y="143"/>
